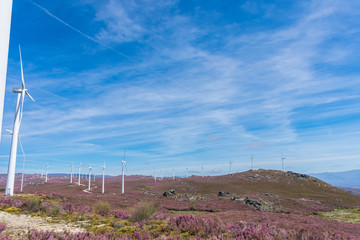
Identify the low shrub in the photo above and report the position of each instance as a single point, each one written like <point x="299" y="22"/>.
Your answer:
<point x="143" y="211"/>
<point x="102" y="208"/>
<point x="2" y="227"/>
<point x="33" y="204"/>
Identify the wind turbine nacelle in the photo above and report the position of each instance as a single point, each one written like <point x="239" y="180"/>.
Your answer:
<point x="17" y="90"/>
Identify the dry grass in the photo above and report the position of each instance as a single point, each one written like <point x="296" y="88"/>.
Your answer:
<point x="102" y="207"/>
<point x="143" y="211"/>
<point x="343" y="215"/>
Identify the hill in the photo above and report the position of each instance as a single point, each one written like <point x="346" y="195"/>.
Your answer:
<point x="260" y="204"/>
<point x="341" y="179"/>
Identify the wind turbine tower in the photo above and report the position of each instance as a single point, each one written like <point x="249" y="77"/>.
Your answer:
<point x="21" y="92"/>
<point x="46" y="173"/>
<point x="230" y="163"/>
<point x="282" y="162"/>
<point x="252" y="162"/>
<point x="173" y="174"/>
<point x="103" y="178"/>
<point x="202" y="169"/>
<point x="71" y="174"/>
<point x="123" y="174"/>
<point x="90" y="168"/>
<point x="79" y="174"/>
<point x="23" y="170"/>
<point x="155" y="174"/>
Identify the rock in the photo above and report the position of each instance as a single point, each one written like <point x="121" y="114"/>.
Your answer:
<point x="300" y="175"/>
<point x="166" y="194"/>
<point x="223" y="194"/>
<point x="172" y="191"/>
<point x="237" y="199"/>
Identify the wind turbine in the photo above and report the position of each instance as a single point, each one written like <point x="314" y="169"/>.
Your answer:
<point x="23" y="170"/>
<point x="71" y="174"/>
<point x="103" y="178"/>
<point x="21" y="92"/>
<point x="79" y="174"/>
<point x="202" y="169"/>
<point x="230" y="162"/>
<point x="90" y="168"/>
<point x="123" y="173"/>
<point x="155" y="174"/>
<point x="282" y="161"/>
<point x="252" y="162"/>
<point x="46" y="173"/>
<point x="173" y="174"/>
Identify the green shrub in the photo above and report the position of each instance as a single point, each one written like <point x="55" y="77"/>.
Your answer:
<point x="56" y="210"/>
<point x="33" y="204"/>
<point x="102" y="208"/>
<point x="143" y="211"/>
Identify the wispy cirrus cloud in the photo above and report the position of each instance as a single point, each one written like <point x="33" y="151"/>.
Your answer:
<point x="192" y="93"/>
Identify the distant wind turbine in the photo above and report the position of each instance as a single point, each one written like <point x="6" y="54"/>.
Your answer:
<point x="46" y="173"/>
<point x="79" y="174"/>
<point x="23" y="170"/>
<point x="90" y="168"/>
<point x="282" y="161"/>
<point x="230" y="162"/>
<point x="21" y="92"/>
<point x="252" y="162"/>
<point x="202" y="169"/>
<point x="71" y="174"/>
<point x="103" y="178"/>
<point x="155" y="174"/>
<point x="173" y="174"/>
<point x="123" y="173"/>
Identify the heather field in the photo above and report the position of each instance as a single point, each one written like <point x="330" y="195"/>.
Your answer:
<point x="261" y="204"/>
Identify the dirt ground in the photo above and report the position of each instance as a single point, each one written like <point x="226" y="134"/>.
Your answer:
<point x="18" y="224"/>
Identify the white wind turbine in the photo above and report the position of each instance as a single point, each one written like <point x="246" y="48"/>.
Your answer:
<point x="252" y="162"/>
<point x="71" y="174"/>
<point x="23" y="169"/>
<point x="173" y="174"/>
<point x="103" y="178"/>
<point x="46" y="173"/>
<point x="123" y="173"/>
<point x="230" y="163"/>
<point x="90" y="168"/>
<point x="155" y="174"/>
<point x="282" y="161"/>
<point x="202" y="169"/>
<point x="79" y="174"/>
<point x="21" y="92"/>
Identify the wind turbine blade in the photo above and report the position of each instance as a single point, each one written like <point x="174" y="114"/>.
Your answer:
<point x="124" y="154"/>
<point x="27" y="93"/>
<point x="22" y="149"/>
<point x="22" y="72"/>
<point x="22" y="106"/>
<point x="8" y="130"/>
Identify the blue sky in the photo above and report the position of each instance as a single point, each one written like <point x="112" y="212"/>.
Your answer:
<point x="181" y="83"/>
